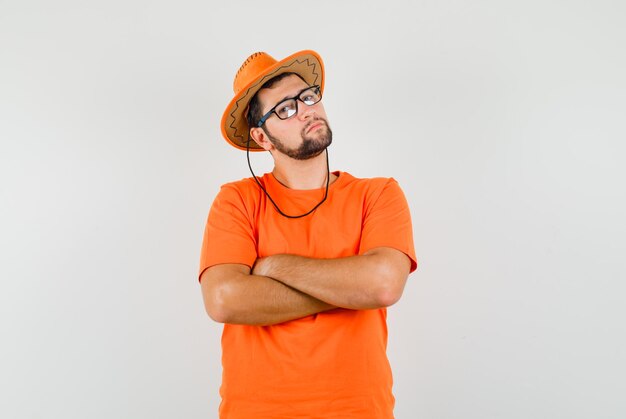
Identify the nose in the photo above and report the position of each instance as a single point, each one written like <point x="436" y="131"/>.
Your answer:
<point x="305" y="112"/>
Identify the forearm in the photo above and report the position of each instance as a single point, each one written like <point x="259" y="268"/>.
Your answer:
<point x="237" y="297"/>
<point x="373" y="280"/>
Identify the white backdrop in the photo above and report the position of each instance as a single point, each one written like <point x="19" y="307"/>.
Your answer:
<point x="503" y="121"/>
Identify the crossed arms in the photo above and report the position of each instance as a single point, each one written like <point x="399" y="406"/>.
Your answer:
<point x="285" y="287"/>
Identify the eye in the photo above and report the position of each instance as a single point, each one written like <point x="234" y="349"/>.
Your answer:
<point x="310" y="97"/>
<point x="286" y="109"/>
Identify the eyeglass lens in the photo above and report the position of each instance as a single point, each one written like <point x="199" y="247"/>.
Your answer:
<point x="289" y="107"/>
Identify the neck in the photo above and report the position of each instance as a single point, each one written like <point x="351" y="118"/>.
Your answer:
<point x="302" y="174"/>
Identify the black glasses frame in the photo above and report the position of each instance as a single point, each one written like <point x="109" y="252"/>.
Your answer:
<point x="296" y="98"/>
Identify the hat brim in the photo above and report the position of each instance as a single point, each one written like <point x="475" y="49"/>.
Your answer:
<point x="308" y="64"/>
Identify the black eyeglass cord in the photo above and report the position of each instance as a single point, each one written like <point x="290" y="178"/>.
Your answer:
<point x="270" y="198"/>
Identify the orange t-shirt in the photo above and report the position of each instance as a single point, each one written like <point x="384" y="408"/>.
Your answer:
<point x="328" y="365"/>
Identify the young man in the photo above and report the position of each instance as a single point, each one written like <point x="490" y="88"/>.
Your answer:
<point x="301" y="263"/>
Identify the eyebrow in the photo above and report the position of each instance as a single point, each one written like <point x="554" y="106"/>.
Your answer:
<point x="293" y="97"/>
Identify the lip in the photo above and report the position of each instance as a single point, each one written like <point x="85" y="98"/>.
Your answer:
<point x="314" y="125"/>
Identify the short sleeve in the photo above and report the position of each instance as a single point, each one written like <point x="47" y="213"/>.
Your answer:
<point x="387" y="221"/>
<point x="229" y="234"/>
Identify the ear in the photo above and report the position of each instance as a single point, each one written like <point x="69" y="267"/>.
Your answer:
<point x="259" y="137"/>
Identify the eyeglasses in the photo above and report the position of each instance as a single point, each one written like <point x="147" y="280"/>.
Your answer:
<point x="289" y="107"/>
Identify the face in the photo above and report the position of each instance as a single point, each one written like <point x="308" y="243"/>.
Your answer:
<point x="301" y="137"/>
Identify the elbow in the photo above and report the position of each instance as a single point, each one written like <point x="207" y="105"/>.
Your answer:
<point x="216" y="304"/>
<point x="388" y="296"/>
<point x="221" y="292"/>
<point x="216" y="314"/>
<point x="391" y="286"/>
<point x="389" y="269"/>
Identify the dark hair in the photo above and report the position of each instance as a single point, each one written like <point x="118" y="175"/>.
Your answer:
<point x="254" y="106"/>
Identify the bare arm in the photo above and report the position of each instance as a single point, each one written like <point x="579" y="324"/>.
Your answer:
<point x="232" y="295"/>
<point x="372" y="280"/>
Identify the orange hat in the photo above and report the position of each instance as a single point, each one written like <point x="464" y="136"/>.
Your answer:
<point x="253" y="73"/>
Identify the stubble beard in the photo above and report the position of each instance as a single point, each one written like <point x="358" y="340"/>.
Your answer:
<point x="312" y="144"/>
